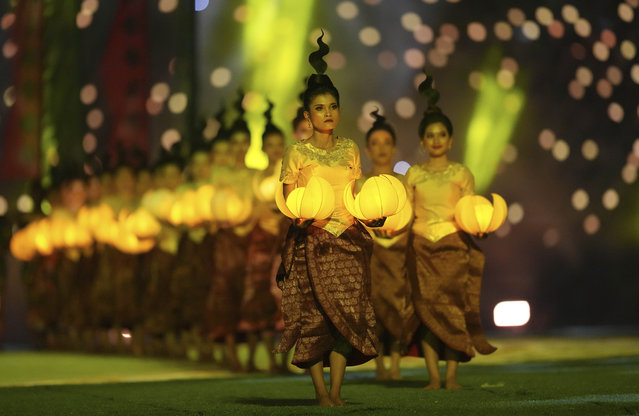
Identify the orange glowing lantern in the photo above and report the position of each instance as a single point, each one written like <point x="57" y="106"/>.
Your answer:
<point x="476" y="215"/>
<point x="230" y="208"/>
<point x="21" y="245"/>
<point x="183" y="210"/>
<point x="380" y="196"/>
<point x="314" y="201"/>
<point x="142" y="224"/>
<point x="75" y="235"/>
<point x="203" y="199"/>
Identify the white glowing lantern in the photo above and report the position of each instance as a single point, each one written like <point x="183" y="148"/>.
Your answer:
<point x="511" y="313"/>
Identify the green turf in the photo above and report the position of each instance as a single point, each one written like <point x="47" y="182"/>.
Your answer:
<point x="583" y="387"/>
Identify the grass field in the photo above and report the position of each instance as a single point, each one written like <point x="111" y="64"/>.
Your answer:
<point x="540" y="376"/>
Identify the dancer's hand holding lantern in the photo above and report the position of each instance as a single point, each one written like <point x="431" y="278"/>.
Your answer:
<point x="315" y="201"/>
<point x="477" y="216"/>
<point x="381" y="196"/>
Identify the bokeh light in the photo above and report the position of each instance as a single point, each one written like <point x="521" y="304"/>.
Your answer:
<point x="95" y="118"/>
<point x="89" y="143"/>
<point x="201" y="5"/>
<point x="584" y="76"/>
<point x="4" y="205"/>
<point x="510" y="153"/>
<point x="424" y="34"/>
<point x="580" y="199"/>
<point x="503" y="31"/>
<point x="411" y="21"/>
<point x="347" y="10"/>
<point x="83" y="19"/>
<point x="601" y="51"/>
<point x="414" y="58"/>
<point x="169" y="138"/>
<point x="335" y="60"/>
<point x="505" y="78"/>
<point x="604" y="88"/>
<point x="516" y="16"/>
<point x="511" y="313"/>
<point x="445" y="45"/>
<point x="583" y="28"/>
<point x="556" y="29"/>
<point x="450" y="30"/>
<point x="7" y="20"/>
<point x="570" y="13"/>
<point x="370" y="36"/>
<point x="589" y="149"/>
<point x="220" y="77"/>
<point x="614" y="75"/>
<point x="515" y="213"/>
<point x="531" y="30"/>
<point x="544" y="16"/>
<point x="88" y="94"/>
<point x="551" y="237"/>
<point x="561" y="150"/>
<point x="592" y="224"/>
<point x="476" y="31"/>
<point x="629" y="174"/>
<point x="387" y="59"/>
<point x="625" y="12"/>
<point x="609" y="38"/>
<point x="25" y="204"/>
<point x="9" y="49"/>
<point x="437" y="59"/>
<point x="178" y="102"/>
<point x="615" y="112"/>
<point x="160" y="91"/>
<point x="610" y="199"/>
<point x="547" y="139"/>
<point x="628" y="50"/>
<point x="167" y="6"/>
<point x="405" y="107"/>
<point x="475" y="80"/>
<point x="90" y="6"/>
<point x="576" y="89"/>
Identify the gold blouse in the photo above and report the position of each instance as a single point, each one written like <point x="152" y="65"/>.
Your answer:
<point x="434" y="195"/>
<point x="338" y="165"/>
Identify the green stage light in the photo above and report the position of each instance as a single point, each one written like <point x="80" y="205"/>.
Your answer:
<point x="496" y="113"/>
<point x="274" y="37"/>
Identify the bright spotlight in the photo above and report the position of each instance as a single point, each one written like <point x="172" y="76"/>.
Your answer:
<point x="511" y="313"/>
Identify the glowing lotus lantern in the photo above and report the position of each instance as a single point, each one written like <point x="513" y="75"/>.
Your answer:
<point x="128" y="242"/>
<point x="142" y="224"/>
<point x="314" y="201"/>
<point x="400" y="220"/>
<point x="183" y="210"/>
<point x="476" y="215"/>
<point x="230" y="208"/>
<point x="40" y="235"/>
<point x="380" y="196"/>
<point x="21" y="245"/>
<point x="265" y="188"/>
<point x="203" y="199"/>
<point x="75" y="235"/>
<point x="159" y="202"/>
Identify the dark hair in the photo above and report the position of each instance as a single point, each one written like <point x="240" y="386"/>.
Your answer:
<point x="433" y="114"/>
<point x="299" y="117"/>
<point x="380" y="124"/>
<point x="319" y="83"/>
<point x="270" y="128"/>
<point x="239" y="125"/>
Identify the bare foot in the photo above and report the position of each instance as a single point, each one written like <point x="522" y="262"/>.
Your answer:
<point x="395" y="375"/>
<point x="338" y="401"/>
<point x="382" y="375"/>
<point x="433" y="385"/>
<point x="452" y="385"/>
<point x="324" y="401"/>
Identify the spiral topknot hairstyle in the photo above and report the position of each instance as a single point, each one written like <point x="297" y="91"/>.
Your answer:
<point x="433" y="114"/>
<point x="270" y="128"/>
<point x="380" y="123"/>
<point x="319" y="83"/>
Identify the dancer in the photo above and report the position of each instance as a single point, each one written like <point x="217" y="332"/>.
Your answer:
<point x="325" y="271"/>
<point x="445" y="266"/>
<point x="390" y="290"/>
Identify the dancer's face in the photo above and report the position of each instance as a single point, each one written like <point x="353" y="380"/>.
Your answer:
<point x="437" y="141"/>
<point x="380" y="147"/>
<point x="273" y="146"/>
<point x="324" y="113"/>
<point x="302" y="131"/>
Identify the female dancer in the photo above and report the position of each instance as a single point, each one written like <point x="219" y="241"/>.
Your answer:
<point x="390" y="290"/>
<point x="325" y="271"/>
<point x="445" y="266"/>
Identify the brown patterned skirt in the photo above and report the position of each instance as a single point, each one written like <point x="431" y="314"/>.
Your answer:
<point x="391" y="291"/>
<point x="325" y="284"/>
<point x="446" y="282"/>
<point x="259" y="307"/>
<point x="227" y="285"/>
